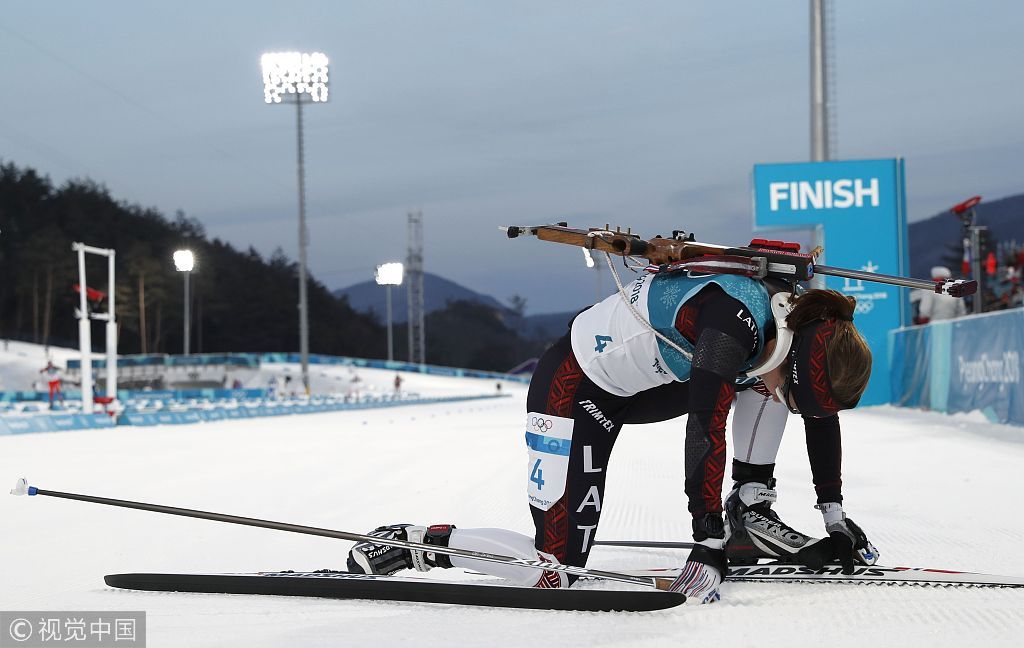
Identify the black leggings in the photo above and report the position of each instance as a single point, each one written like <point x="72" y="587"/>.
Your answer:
<point x="559" y="389"/>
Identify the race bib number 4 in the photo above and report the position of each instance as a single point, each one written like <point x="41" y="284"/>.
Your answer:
<point x="549" y="441"/>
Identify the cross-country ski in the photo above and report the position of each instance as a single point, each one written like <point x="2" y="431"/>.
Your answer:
<point x="346" y="585"/>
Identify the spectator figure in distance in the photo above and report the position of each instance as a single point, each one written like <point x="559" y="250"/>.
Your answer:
<point x="272" y="387"/>
<point x="398" y="384"/>
<point x="53" y="381"/>
<point x="933" y="307"/>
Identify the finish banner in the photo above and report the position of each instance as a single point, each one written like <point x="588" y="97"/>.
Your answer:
<point x="857" y="211"/>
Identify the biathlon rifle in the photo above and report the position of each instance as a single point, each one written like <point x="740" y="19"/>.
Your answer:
<point x="762" y="258"/>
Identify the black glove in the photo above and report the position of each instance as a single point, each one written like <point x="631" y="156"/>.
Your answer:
<point x="849" y="542"/>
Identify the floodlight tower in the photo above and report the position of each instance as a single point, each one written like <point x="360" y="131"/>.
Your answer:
<point x="184" y="261"/>
<point x="297" y="77"/>
<point x="387" y="275"/>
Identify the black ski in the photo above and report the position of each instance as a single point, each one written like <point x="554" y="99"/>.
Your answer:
<point x="345" y="585"/>
<point x="862" y="575"/>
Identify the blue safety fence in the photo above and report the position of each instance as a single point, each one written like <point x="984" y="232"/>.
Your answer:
<point x="253" y="360"/>
<point x="393" y="365"/>
<point x="241" y="360"/>
<point x="272" y="408"/>
<point x="128" y="394"/>
<point x="23" y="396"/>
<point x="53" y="423"/>
<point x="962" y="365"/>
<point x="155" y="412"/>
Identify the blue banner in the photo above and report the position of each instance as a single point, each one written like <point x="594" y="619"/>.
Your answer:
<point x="858" y="212"/>
<point x="26" y="424"/>
<point x="253" y="360"/>
<point x="985" y="366"/>
<point x="963" y="365"/>
<point x="273" y="408"/>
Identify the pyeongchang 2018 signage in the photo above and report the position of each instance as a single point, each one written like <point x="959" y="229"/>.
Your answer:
<point x="857" y="210"/>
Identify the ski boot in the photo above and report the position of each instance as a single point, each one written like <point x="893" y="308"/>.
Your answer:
<point x="376" y="558"/>
<point x="756" y="531"/>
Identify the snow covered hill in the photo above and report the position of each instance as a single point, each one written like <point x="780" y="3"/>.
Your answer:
<point x="20" y="363"/>
<point x="930" y="490"/>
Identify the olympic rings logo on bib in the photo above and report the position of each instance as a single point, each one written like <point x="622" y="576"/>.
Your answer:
<point x="541" y="424"/>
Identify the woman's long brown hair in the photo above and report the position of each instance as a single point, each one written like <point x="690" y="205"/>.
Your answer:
<point x="849" y="357"/>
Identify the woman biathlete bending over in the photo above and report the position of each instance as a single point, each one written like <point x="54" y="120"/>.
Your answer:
<point x="671" y="344"/>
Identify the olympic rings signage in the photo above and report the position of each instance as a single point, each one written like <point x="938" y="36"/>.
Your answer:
<point x="541" y="424"/>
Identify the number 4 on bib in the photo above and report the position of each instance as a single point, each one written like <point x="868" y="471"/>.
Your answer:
<point x="537" y="475"/>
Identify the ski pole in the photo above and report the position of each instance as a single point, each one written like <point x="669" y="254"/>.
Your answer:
<point x="22" y="488"/>
<point x="645" y="544"/>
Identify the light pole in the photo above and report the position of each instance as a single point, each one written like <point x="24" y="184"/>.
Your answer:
<point x="297" y="77"/>
<point x="387" y="275"/>
<point x="822" y="104"/>
<point x="184" y="261"/>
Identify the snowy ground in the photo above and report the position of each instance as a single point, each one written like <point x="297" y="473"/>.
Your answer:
<point x="930" y="490"/>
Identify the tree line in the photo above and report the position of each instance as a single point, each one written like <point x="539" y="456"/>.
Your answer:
<point x="241" y="301"/>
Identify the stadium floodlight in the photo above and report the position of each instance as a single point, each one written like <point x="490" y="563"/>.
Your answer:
<point x="184" y="261"/>
<point x="294" y="73"/>
<point x="388" y="275"/>
<point x="299" y="78"/>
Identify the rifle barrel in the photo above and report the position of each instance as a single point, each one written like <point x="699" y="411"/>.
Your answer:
<point x="958" y="288"/>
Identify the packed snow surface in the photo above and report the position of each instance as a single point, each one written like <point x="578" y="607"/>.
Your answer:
<point x="931" y="491"/>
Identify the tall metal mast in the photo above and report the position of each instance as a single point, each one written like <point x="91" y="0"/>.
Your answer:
<point x="822" y="101"/>
<point x="414" y="274"/>
<point x="822" y="85"/>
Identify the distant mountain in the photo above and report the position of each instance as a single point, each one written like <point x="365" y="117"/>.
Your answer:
<point x="547" y="326"/>
<point x="930" y="240"/>
<point x="437" y="292"/>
